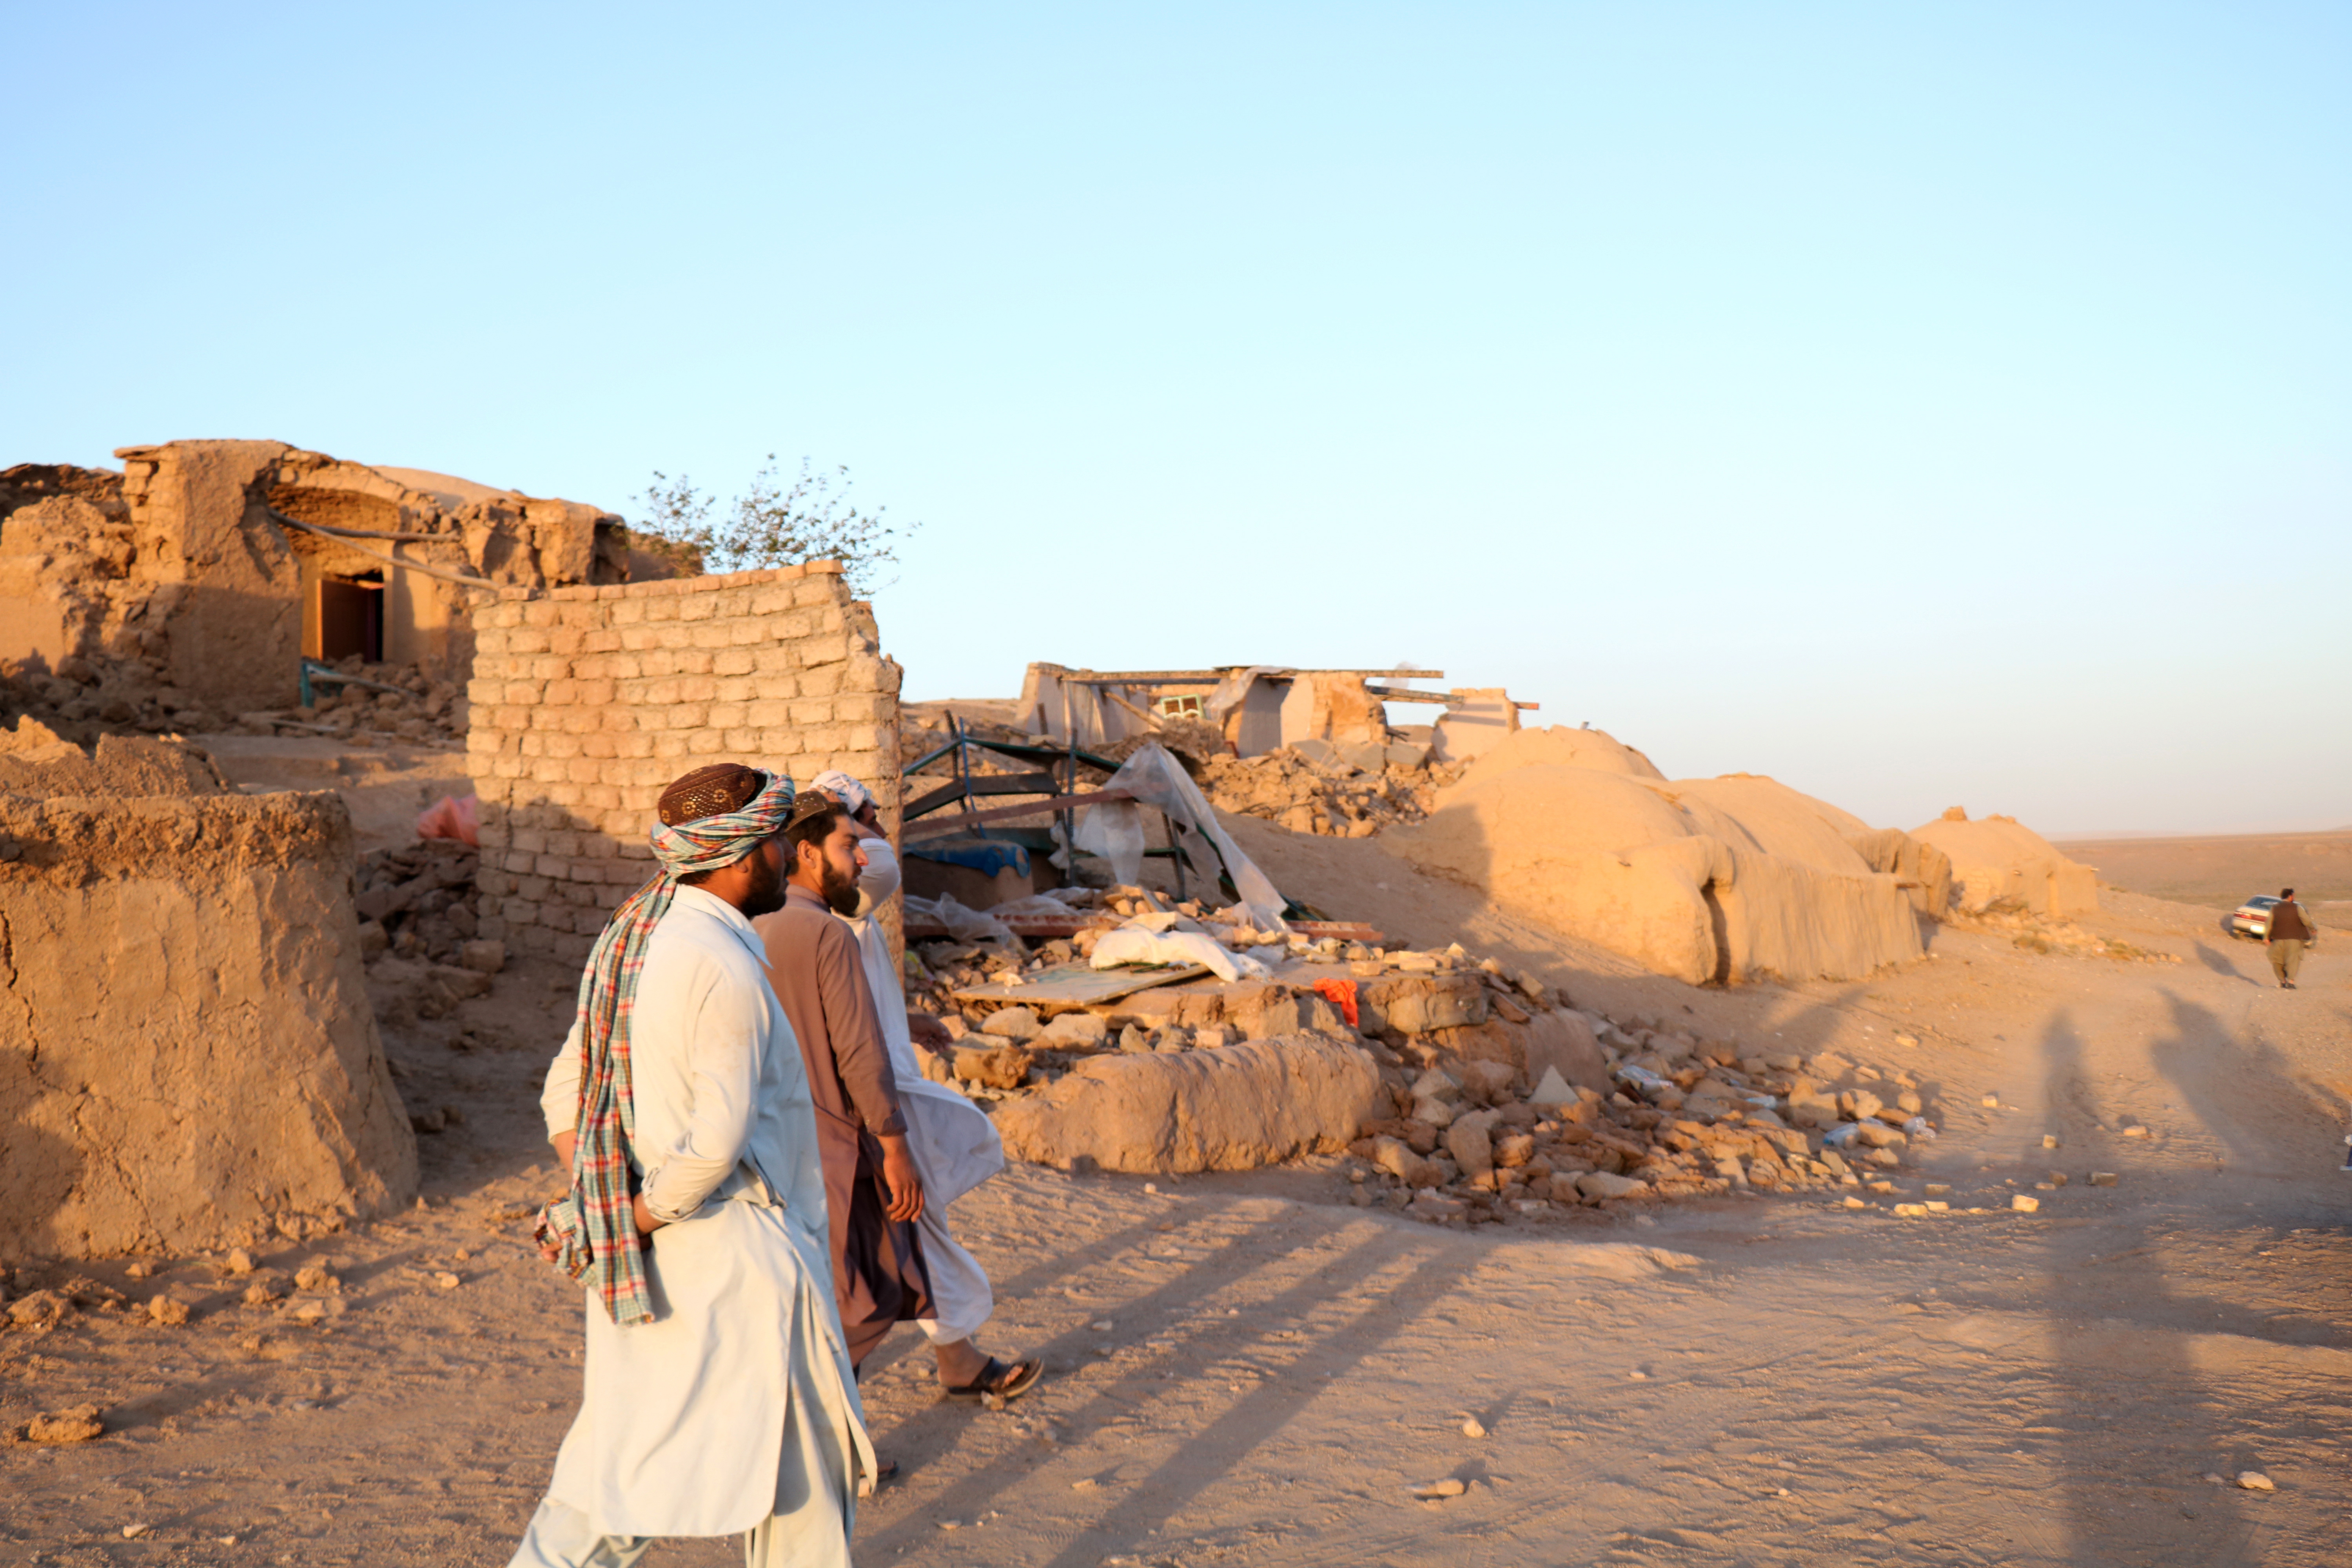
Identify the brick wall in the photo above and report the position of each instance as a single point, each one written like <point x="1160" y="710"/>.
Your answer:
<point x="587" y="701"/>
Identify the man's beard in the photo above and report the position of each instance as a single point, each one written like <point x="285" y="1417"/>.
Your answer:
<point x="766" y="895"/>
<point x="839" y="889"/>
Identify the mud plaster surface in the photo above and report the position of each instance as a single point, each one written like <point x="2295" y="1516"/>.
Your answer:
<point x="1789" y="1381"/>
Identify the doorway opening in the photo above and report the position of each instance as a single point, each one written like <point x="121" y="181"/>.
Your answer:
<point x="350" y="617"/>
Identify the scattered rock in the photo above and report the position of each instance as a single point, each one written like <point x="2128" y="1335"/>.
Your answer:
<point x="1432" y="1492"/>
<point x="446" y="1282"/>
<point x="2024" y="1205"/>
<point x="1601" y="1185"/>
<point x="317" y="1276"/>
<point x="2103" y="1178"/>
<point x="39" y="1310"/>
<point x="486" y="955"/>
<point x="167" y="1312"/>
<point x="1073" y="1032"/>
<point x="1470" y="1143"/>
<point x="238" y="1262"/>
<point x="1003" y="1067"/>
<point x="1015" y="1024"/>
<point x="78" y="1424"/>
<point x="1472" y="1427"/>
<point x="2255" y="1481"/>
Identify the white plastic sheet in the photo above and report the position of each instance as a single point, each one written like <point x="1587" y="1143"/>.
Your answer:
<point x="1137" y="944"/>
<point x="1157" y="779"/>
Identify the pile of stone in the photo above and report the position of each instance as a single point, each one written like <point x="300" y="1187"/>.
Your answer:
<point x="1339" y="792"/>
<point x="401" y="706"/>
<point x="83" y="699"/>
<point x="419" y="904"/>
<point x="1678" y="1117"/>
<point x="1489" y="1098"/>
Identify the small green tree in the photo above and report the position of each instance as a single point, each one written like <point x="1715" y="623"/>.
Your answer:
<point x="773" y="524"/>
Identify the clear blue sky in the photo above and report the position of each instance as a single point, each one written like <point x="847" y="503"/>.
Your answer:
<point x="1920" y="404"/>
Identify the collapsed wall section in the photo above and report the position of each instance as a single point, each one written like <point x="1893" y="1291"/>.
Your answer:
<point x="588" y="701"/>
<point x="188" y="1058"/>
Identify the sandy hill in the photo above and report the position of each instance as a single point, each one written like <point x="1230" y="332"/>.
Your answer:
<point x="2001" y="860"/>
<point x="1722" y="879"/>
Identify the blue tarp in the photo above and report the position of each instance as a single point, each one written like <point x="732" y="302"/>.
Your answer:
<point x="984" y="855"/>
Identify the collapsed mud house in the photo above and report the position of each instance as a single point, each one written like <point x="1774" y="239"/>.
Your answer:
<point x="191" y="588"/>
<point x="1258" y="709"/>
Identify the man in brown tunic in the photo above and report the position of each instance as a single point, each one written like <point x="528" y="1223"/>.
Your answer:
<point x="872" y="1191"/>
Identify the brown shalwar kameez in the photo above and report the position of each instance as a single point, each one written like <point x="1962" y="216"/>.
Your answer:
<point x="819" y="976"/>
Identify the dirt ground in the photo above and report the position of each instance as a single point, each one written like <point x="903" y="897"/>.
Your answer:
<point x="1246" y="1370"/>
<point x="2223" y="870"/>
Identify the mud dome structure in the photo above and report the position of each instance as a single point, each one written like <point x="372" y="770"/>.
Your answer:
<point x="205" y="571"/>
<point x="187" y="1055"/>
<point x="587" y="700"/>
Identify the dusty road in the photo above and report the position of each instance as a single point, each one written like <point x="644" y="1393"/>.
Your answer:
<point x="1246" y="1370"/>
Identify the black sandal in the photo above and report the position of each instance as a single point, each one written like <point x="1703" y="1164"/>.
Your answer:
<point x="1001" y="1383"/>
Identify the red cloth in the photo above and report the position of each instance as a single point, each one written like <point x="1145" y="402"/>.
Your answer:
<point x="1340" y="994"/>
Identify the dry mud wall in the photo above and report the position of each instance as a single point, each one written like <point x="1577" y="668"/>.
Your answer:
<point x="187" y="1055"/>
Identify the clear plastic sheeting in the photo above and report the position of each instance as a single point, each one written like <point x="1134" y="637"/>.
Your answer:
<point x="962" y="924"/>
<point x="1156" y="779"/>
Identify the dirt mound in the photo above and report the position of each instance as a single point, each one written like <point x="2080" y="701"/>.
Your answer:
<point x="1711" y="880"/>
<point x="186" y="1048"/>
<point x="2000" y="861"/>
<point x="1569" y="748"/>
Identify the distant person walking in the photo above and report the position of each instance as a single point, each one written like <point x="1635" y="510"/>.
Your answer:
<point x="2291" y="931"/>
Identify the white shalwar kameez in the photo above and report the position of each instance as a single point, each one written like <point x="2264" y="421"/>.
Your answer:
<point x="735" y="1409"/>
<point x="955" y="1145"/>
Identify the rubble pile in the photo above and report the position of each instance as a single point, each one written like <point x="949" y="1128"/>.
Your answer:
<point x="1322" y="790"/>
<point x="1684" y="1117"/>
<point x="418" y="900"/>
<point x="2034" y="932"/>
<point x="1495" y="1098"/>
<point x="399" y="704"/>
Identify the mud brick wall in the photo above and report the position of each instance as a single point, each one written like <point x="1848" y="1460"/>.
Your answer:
<point x="586" y="701"/>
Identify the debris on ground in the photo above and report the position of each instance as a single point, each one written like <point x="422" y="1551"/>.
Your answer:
<point x="1491" y="1096"/>
<point x="2040" y="933"/>
<point x="399" y="703"/>
<point x="420" y="901"/>
<point x="1316" y="789"/>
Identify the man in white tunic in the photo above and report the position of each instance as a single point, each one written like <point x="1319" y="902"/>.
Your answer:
<point x="955" y="1145"/>
<point x="718" y="1396"/>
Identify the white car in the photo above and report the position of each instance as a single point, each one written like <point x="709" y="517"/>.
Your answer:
<point x="2253" y="918"/>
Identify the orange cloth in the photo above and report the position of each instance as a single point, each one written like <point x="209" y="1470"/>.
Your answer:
<point x="1340" y="994"/>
